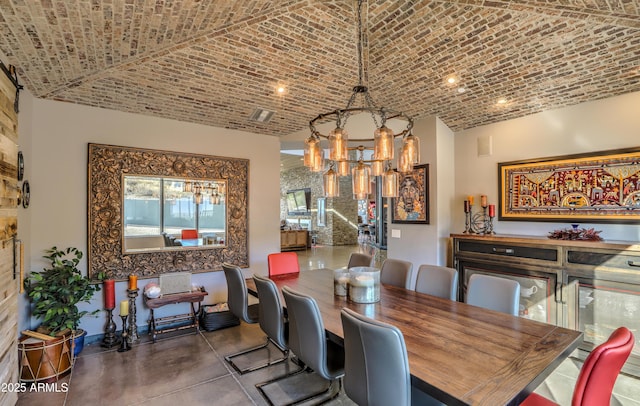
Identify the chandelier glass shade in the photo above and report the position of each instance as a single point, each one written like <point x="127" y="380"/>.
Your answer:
<point x="338" y="148"/>
<point x="361" y="179"/>
<point x="317" y="160"/>
<point x="377" y="168"/>
<point x="343" y="168"/>
<point x="390" y="183"/>
<point x="382" y="144"/>
<point x="330" y="183"/>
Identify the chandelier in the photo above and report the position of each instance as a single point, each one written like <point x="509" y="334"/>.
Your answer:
<point x="361" y="170"/>
<point x="215" y="191"/>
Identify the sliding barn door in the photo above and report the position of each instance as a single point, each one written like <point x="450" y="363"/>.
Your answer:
<point x="9" y="280"/>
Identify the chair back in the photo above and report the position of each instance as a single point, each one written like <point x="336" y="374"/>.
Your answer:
<point x="283" y="263"/>
<point x="438" y="281"/>
<point x="601" y="368"/>
<point x="376" y="368"/>
<point x="167" y="240"/>
<point x="306" y="333"/>
<point x="359" y="259"/>
<point x="237" y="296"/>
<point x="271" y="316"/>
<point x="396" y="272"/>
<point x="190" y="234"/>
<point x="494" y="293"/>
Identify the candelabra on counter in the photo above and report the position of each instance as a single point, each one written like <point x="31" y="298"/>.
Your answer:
<point x="110" y="339"/>
<point x="467" y="215"/>
<point x="124" y="344"/>
<point x="481" y="222"/>
<point x="492" y="214"/>
<point x="124" y="314"/>
<point x="132" y="330"/>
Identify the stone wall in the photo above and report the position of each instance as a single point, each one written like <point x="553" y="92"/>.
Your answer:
<point x="341" y="212"/>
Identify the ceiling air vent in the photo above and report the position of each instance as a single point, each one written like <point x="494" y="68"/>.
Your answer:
<point x="261" y="115"/>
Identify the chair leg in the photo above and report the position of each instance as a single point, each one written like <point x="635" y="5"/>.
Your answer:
<point x="306" y="398"/>
<point x="229" y="358"/>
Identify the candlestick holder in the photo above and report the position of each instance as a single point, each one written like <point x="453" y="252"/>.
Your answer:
<point x="124" y="345"/>
<point x="490" y="225"/>
<point x="132" y="331"/>
<point x="110" y="339"/>
<point x="467" y="222"/>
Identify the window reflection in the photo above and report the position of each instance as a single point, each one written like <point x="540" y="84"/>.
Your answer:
<point x="168" y="212"/>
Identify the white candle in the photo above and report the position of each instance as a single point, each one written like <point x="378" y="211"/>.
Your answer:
<point x="362" y="280"/>
<point x="124" y="308"/>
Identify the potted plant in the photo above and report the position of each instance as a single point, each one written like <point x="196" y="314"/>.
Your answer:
<point x="56" y="291"/>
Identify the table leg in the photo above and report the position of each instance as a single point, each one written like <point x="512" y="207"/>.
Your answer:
<point x="152" y="326"/>
<point x="195" y="317"/>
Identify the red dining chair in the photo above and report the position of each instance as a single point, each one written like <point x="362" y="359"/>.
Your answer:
<point x="190" y="234"/>
<point x="598" y="374"/>
<point x="282" y="263"/>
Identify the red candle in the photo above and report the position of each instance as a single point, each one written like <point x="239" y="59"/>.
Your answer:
<point x="467" y="207"/>
<point x="109" y="294"/>
<point x="492" y="210"/>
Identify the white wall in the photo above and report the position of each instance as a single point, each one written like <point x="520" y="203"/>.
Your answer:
<point x="427" y="243"/>
<point x="58" y="176"/>
<point x="444" y="189"/>
<point x="595" y="126"/>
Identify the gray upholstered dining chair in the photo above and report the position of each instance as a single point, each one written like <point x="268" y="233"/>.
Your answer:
<point x="308" y="341"/>
<point x="494" y="293"/>
<point x="376" y="367"/>
<point x="396" y="272"/>
<point x="360" y="259"/>
<point x="271" y="317"/>
<point x="238" y="302"/>
<point x="438" y="281"/>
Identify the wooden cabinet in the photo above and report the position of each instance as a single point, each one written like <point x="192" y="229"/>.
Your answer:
<point x="293" y="240"/>
<point x="535" y="265"/>
<point x="589" y="286"/>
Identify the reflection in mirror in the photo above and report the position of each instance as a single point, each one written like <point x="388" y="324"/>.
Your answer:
<point x="163" y="213"/>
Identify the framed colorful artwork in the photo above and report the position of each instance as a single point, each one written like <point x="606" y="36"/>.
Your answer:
<point x="412" y="204"/>
<point x="598" y="187"/>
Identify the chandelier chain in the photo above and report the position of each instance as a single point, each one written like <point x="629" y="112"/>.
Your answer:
<point x="361" y="34"/>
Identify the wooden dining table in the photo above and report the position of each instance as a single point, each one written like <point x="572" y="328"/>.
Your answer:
<point x="458" y="353"/>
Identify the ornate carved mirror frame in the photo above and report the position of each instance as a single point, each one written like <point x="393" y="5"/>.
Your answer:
<point x="108" y="164"/>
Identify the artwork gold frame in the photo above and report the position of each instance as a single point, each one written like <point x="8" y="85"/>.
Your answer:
<point x="106" y="167"/>
<point x="412" y="204"/>
<point x="597" y="187"/>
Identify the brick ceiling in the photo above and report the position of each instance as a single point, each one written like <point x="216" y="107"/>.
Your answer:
<point x="213" y="62"/>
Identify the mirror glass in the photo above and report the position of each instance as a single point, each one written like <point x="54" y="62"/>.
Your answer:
<point x="166" y="213"/>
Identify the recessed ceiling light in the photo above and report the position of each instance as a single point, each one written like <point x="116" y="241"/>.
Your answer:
<point x="281" y="89"/>
<point x="451" y="80"/>
<point x="502" y="101"/>
<point x="461" y="89"/>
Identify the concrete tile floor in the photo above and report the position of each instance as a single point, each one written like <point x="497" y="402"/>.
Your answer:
<point x="189" y="369"/>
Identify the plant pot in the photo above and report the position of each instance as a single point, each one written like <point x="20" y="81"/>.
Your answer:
<point x="45" y="361"/>
<point x="78" y="341"/>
